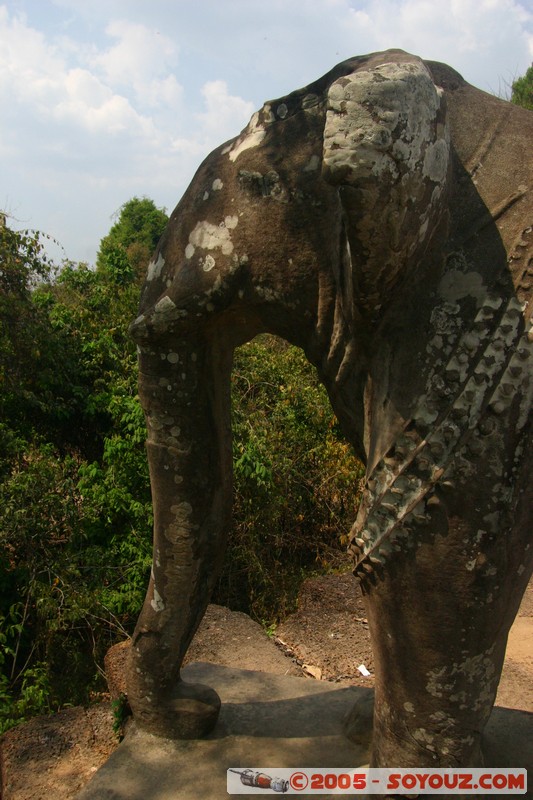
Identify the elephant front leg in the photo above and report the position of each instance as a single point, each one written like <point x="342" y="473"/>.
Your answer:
<point x="185" y="395"/>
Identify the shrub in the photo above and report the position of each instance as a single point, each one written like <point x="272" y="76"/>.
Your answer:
<point x="296" y="481"/>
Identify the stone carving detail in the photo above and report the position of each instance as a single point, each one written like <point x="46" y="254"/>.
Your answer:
<point x="460" y="420"/>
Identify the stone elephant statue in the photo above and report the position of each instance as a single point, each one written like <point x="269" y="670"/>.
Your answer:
<point x="380" y="219"/>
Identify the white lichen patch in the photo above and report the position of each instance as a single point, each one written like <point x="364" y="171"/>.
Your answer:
<point x="231" y="222"/>
<point x="182" y="511"/>
<point x="313" y="164"/>
<point x="179" y="531"/>
<point x="208" y="263"/>
<point x="211" y="237"/>
<point x="164" y="305"/>
<point x="436" y="161"/>
<point x="157" y="602"/>
<point x="456" y="285"/>
<point x="155" y="267"/>
<point x="423" y="736"/>
<point x="252" y="136"/>
<point x="469" y="683"/>
<point x="382" y="118"/>
<point x="268" y="114"/>
<point x="139" y="326"/>
<point x="189" y="250"/>
<point x="266" y="293"/>
<point x="385" y="134"/>
<point x="217" y="185"/>
<point x="435" y="685"/>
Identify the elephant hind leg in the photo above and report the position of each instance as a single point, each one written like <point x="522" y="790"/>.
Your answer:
<point x="439" y="658"/>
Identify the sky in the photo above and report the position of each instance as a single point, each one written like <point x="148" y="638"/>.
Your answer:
<point x="104" y="100"/>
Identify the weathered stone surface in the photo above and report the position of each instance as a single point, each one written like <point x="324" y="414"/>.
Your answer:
<point x="224" y="637"/>
<point x="268" y="721"/>
<point x="380" y="219"/>
<point x="33" y="766"/>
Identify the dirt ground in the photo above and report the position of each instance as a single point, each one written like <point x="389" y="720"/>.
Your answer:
<point x="326" y="639"/>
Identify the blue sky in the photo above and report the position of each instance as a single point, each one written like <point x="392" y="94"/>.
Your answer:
<point x="103" y="100"/>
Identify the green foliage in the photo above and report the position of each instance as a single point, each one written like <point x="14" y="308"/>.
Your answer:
<point x="522" y="90"/>
<point x="75" y="587"/>
<point x="31" y="700"/>
<point x="121" y="712"/>
<point x="23" y="259"/>
<point x="75" y="509"/>
<point x="126" y="249"/>
<point x="296" y="481"/>
<point x="115" y="263"/>
<point x="30" y="375"/>
<point x="75" y="503"/>
<point x="38" y="512"/>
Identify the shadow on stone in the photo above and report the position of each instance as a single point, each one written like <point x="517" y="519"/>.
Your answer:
<point x="268" y="722"/>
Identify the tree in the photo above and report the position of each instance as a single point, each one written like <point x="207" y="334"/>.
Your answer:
<point x="296" y="482"/>
<point x="75" y="510"/>
<point x="522" y="94"/>
<point x="37" y="389"/>
<point x="125" y="251"/>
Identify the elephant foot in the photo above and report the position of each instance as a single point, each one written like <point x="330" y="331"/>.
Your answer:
<point x="190" y="712"/>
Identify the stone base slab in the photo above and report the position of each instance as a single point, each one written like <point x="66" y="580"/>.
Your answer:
<point x="267" y="721"/>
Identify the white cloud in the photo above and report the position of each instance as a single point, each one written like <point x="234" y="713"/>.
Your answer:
<point x="141" y="60"/>
<point x="105" y="99"/>
<point x="138" y="51"/>
<point x="35" y="75"/>
<point x="90" y="104"/>
<point x="225" y="114"/>
<point x="482" y="39"/>
<point x="28" y="65"/>
<point x="166" y="92"/>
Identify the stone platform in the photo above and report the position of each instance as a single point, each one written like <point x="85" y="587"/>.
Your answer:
<point x="267" y="721"/>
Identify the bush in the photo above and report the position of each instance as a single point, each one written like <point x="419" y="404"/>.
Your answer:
<point x="76" y="555"/>
<point x="522" y="90"/>
<point x="75" y="508"/>
<point x="296" y="481"/>
<point x="75" y="502"/>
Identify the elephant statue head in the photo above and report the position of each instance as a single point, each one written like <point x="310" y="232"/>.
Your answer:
<point x="380" y="219"/>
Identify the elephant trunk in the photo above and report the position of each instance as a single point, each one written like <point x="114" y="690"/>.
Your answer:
<point x="185" y="393"/>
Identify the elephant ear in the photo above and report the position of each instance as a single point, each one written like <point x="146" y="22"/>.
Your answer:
<point x="387" y="147"/>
